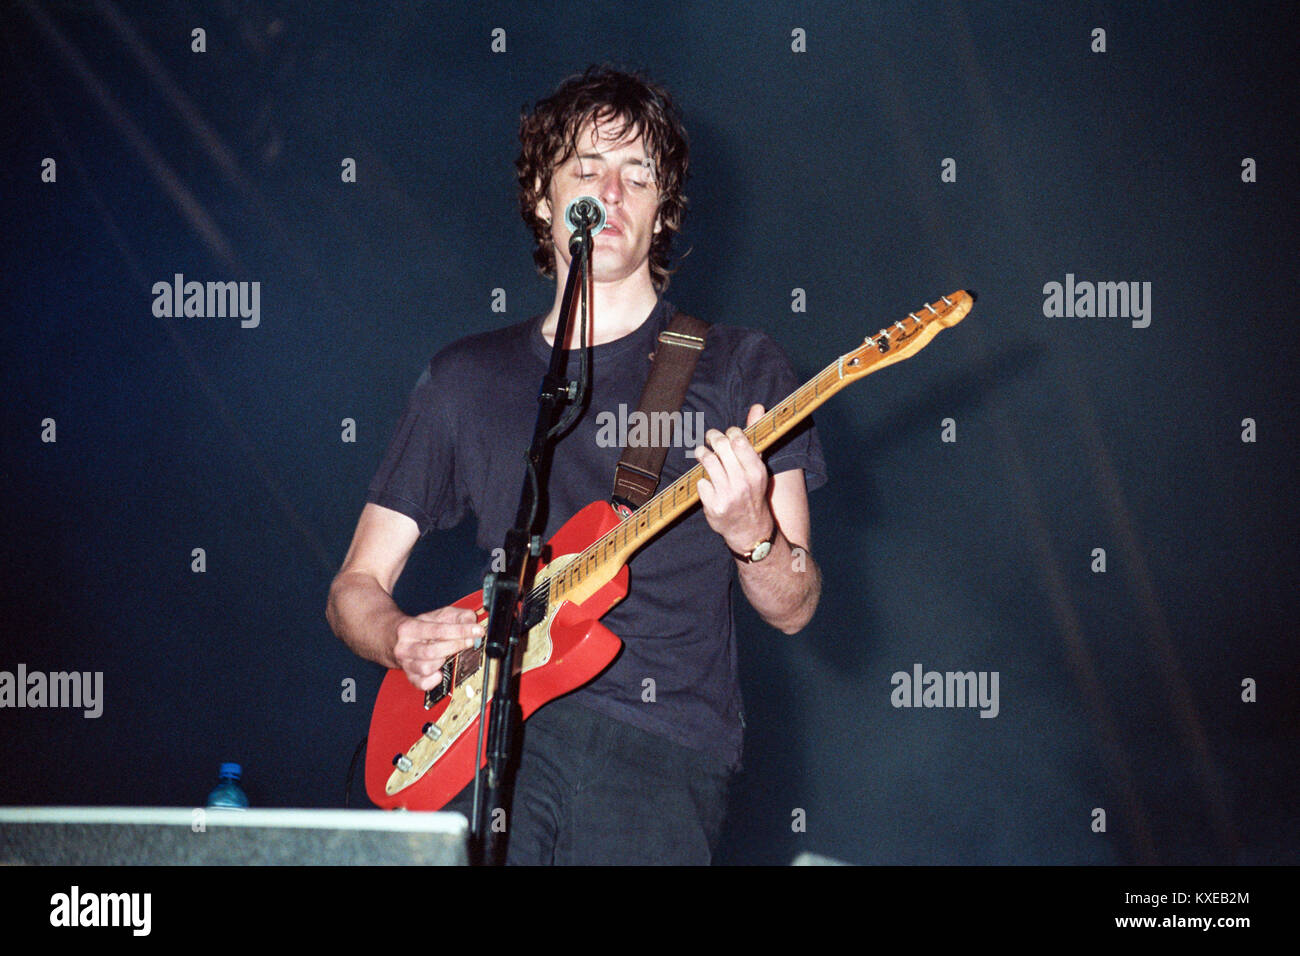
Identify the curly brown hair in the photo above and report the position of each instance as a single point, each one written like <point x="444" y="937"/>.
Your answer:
<point x="551" y="129"/>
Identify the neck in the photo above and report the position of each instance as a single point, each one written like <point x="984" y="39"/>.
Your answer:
<point x="618" y="307"/>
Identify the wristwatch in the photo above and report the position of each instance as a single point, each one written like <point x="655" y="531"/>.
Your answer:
<point x="758" y="552"/>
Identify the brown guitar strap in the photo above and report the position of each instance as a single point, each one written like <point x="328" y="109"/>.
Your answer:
<point x="671" y="369"/>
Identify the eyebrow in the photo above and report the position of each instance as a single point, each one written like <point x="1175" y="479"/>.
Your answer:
<point x="643" y="161"/>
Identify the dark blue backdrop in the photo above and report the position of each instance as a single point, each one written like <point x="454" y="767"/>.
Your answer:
<point x="817" y="170"/>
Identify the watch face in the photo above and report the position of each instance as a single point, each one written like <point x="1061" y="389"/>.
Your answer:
<point x="760" y="552"/>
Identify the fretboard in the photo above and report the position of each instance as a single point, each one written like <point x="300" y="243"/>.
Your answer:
<point x="602" y="559"/>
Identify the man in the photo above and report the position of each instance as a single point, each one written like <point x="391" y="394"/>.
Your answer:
<point x="634" y="766"/>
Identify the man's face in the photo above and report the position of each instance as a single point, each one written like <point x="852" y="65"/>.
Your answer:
<point x="621" y="174"/>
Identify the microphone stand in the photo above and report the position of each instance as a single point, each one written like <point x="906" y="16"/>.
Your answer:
<point x="502" y="591"/>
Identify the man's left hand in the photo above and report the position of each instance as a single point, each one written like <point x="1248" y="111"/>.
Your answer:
<point x="734" y="496"/>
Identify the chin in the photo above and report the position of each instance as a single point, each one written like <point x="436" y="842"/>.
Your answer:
<point x="608" y="267"/>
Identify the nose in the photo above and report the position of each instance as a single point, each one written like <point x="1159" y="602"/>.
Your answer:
<point x="611" y="187"/>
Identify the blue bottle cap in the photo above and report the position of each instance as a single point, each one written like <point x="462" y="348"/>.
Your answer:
<point x="232" y="770"/>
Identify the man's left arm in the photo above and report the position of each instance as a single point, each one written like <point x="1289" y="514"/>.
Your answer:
<point x="746" y="505"/>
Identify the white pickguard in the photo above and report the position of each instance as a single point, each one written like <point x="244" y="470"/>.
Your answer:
<point x="463" y="710"/>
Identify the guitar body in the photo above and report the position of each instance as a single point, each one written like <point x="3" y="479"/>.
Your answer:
<point x="567" y="649"/>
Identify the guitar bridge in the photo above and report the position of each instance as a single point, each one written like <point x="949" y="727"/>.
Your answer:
<point x="435" y="694"/>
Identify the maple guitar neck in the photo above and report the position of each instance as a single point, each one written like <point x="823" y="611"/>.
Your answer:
<point x="603" y="558"/>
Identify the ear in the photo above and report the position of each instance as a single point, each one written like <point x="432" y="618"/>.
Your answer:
<point x="543" y="208"/>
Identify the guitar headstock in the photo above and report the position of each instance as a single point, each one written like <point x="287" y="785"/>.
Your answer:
<point x="907" y="336"/>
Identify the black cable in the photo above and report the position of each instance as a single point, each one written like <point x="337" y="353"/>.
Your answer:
<point x="352" y="769"/>
<point x="576" y="409"/>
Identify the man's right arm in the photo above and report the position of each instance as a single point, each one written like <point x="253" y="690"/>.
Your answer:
<point x="362" y="612"/>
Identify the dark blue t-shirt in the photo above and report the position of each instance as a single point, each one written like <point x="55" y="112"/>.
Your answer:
<point x="459" y="449"/>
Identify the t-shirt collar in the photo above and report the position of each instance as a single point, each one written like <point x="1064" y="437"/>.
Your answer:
<point x="643" y="336"/>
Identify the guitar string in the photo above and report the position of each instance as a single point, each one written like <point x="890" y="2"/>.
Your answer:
<point x="833" y="371"/>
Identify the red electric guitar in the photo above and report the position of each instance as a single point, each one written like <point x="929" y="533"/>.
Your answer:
<point x="421" y="747"/>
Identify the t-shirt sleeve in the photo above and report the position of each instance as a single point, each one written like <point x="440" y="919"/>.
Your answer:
<point x="762" y="374"/>
<point x="417" y="476"/>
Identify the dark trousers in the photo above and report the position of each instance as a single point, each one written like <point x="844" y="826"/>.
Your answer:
<point x="592" y="790"/>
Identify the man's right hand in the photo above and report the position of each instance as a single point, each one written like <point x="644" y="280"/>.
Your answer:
<point x="426" y="641"/>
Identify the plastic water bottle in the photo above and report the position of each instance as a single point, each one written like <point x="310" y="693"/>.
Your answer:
<point x="228" y="795"/>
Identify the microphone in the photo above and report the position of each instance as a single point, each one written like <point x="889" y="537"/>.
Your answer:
<point x="584" y="211"/>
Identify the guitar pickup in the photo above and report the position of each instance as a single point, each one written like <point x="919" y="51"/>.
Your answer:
<point x="534" y="614"/>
